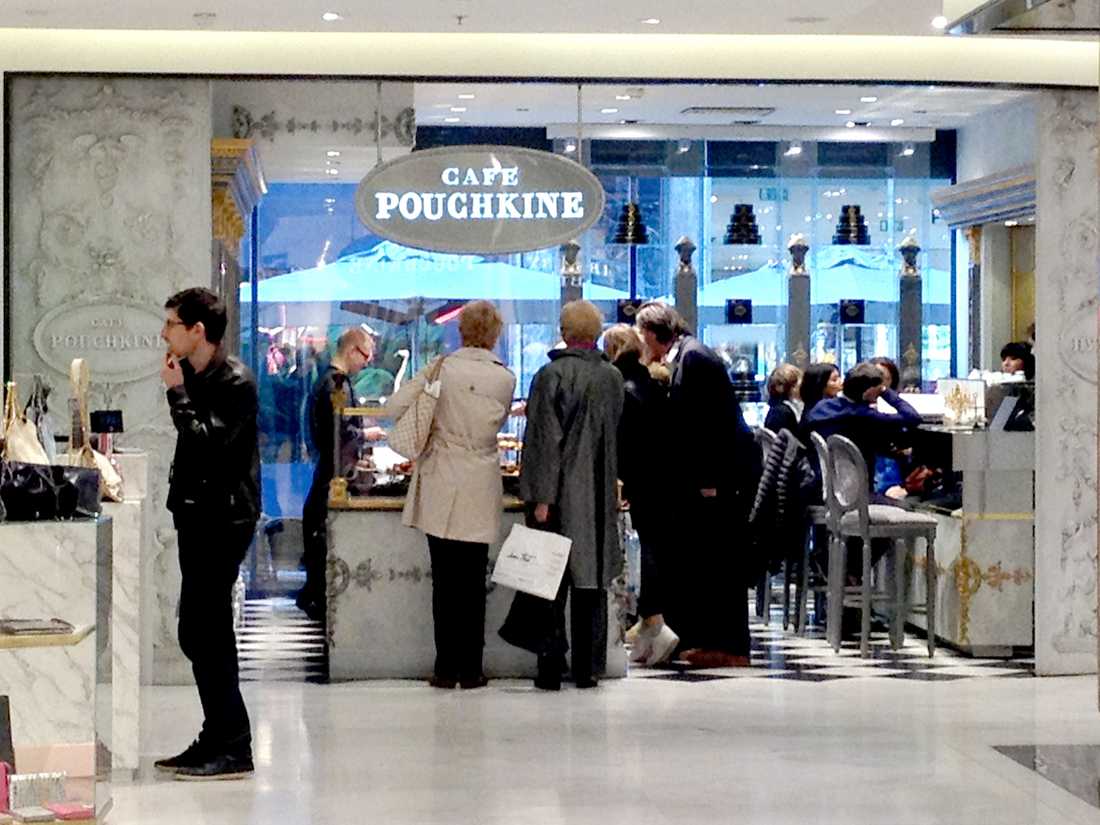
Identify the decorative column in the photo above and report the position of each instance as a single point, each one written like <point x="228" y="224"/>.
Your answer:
<point x="798" y="303"/>
<point x="572" y="276"/>
<point x="911" y="322"/>
<point x="237" y="184"/>
<point x="686" y="289"/>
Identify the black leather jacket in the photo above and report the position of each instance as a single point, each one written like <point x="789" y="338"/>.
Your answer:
<point x="216" y="469"/>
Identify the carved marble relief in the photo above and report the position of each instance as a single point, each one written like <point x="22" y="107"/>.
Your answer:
<point x="1066" y="349"/>
<point x="110" y="194"/>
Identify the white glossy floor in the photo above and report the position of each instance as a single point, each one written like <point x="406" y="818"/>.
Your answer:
<point x="639" y="751"/>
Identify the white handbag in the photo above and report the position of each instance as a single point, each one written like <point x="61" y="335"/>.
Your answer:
<point x="80" y="452"/>
<point x="532" y="561"/>
<point x="409" y="435"/>
<point x="20" y="434"/>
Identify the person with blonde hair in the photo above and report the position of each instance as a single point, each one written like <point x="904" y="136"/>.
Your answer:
<point x="354" y="350"/>
<point x="568" y="478"/>
<point x="645" y="404"/>
<point x="784" y="410"/>
<point x="455" y="493"/>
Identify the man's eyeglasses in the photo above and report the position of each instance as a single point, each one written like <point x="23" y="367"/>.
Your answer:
<point x="169" y="323"/>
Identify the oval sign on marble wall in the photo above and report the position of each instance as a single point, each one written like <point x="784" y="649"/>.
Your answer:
<point x="480" y="199"/>
<point x="120" y="341"/>
<point x="1078" y="343"/>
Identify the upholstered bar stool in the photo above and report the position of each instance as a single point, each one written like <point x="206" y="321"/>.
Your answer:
<point x="851" y="515"/>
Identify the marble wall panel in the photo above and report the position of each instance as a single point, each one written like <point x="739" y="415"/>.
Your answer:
<point x="111" y="177"/>
<point x="1068" y="281"/>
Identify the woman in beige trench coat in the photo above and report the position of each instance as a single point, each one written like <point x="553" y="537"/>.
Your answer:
<point x="455" y="494"/>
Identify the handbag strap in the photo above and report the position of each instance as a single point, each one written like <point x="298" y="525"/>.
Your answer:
<point x="9" y="416"/>
<point x="79" y="379"/>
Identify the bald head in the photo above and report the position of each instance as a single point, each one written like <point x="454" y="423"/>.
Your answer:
<point x="354" y="350"/>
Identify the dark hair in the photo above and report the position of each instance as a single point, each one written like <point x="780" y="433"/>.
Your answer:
<point x="891" y="367"/>
<point x="814" y="380"/>
<point x="861" y="378"/>
<point x="1022" y="351"/>
<point x="662" y="320"/>
<point x="199" y="305"/>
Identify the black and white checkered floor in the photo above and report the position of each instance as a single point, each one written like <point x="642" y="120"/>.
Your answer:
<point x="278" y="642"/>
<point x="779" y="654"/>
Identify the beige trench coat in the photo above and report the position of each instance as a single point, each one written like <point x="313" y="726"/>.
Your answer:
<point x="456" y="490"/>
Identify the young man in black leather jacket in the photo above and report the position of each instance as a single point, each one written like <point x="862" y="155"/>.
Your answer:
<point x="214" y="496"/>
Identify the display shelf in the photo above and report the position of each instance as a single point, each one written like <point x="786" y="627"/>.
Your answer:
<point x="52" y="640"/>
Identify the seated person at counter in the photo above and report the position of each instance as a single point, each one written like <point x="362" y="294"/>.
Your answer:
<point x="819" y="382"/>
<point x="853" y="415"/>
<point x="1017" y="357"/>
<point x="784" y="410"/>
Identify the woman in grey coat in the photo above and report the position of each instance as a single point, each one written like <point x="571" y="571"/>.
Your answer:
<point x="568" y="480"/>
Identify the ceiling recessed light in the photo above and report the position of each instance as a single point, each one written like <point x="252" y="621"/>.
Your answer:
<point x="452" y="120"/>
<point x="330" y="201"/>
<point x="466" y="96"/>
<point x="939" y="22"/>
<point x="843" y="111"/>
<point x="522" y="109"/>
<point x="651" y="21"/>
<point x="868" y="99"/>
<point x="622" y="97"/>
<point x="897" y="121"/>
<point x="458" y="108"/>
<point x="851" y="124"/>
<point x="794" y="149"/>
<point x="714" y="199"/>
<point x="331" y="171"/>
<point x="608" y="110"/>
<point x="331" y="17"/>
<point x="908" y="150"/>
<point x="570" y="147"/>
<point x="332" y="153"/>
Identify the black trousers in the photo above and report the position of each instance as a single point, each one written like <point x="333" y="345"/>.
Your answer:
<point x="650" y="525"/>
<point x="587" y="631"/>
<point x="458" y="606"/>
<point x="210" y="561"/>
<point x="707" y="594"/>
<point x="315" y="535"/>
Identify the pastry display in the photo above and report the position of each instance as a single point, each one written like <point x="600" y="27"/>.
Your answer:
<point x="742" y="228"/>
<point x="851" y="228"/>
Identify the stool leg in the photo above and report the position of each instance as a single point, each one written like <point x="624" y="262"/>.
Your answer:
<point x="837" y="564"/>
<point x="786" y="593"/>
<point x="897" y="624"/>
<point x="803" y="585"/>
<point x="865" y="617"/>
<point x="762" y="585"/>
<point x="930" y="575"/>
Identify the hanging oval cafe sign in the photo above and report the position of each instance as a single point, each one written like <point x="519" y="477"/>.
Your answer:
<point x="480" y="199"/>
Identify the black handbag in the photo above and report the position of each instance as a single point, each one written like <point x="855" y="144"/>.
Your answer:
<point x="44" y="492"/>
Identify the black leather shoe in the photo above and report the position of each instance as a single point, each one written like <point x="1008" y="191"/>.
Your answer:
<point x="474" y="682"/>
<point x="444" y="682"/>
<point x="192" y="757"/>
<point x="586" y="682"/>
<point x="216" y="768"/>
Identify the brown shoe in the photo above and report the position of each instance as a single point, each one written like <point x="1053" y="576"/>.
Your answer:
<point x="698" y="657"/>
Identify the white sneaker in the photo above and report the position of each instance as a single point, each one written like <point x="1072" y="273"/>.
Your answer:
<point x="631" y="636"/>
<point x="662" y="645"/>
<point x="641" y="649"/>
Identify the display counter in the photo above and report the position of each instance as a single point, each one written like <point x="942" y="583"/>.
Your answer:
<point x="985" y="550"/>
<point x="59" y="688"/>
<point x="380" y="599"/>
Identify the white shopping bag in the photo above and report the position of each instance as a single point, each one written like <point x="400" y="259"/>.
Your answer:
<point x="532" y="561"/>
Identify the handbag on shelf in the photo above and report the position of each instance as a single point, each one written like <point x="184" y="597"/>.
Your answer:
<point x="409" y="435"/>
<point x="44" y="492"/>
<point x="81" y="454"/>
<point x="20" y="435"/>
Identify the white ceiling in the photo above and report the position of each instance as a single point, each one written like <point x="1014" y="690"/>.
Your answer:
<point x="898" y="17"/>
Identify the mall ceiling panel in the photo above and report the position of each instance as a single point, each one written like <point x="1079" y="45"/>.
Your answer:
<point x="581" y="16"/>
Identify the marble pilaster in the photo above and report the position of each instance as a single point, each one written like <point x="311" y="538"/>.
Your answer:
<point x="1068" y="286"/>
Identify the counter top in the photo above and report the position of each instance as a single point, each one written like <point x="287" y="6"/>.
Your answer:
<point x="510" y="504"/>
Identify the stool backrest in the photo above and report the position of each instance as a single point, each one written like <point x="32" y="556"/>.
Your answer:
<point x="849" y="488"/>
<point x="765" y="438"/>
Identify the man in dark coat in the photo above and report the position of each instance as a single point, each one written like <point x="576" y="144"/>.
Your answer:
<point x="214" y="496"/>
<point x="714" y="466"/>
<point x="568" y="478"/>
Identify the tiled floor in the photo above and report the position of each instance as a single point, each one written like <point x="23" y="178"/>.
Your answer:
<point x="848" y="741"/>
<point x="278" y="642"/>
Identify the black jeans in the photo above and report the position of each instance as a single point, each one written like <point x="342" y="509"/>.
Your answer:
<point x="587" y="629"/>
<point x="458" y="606"/>
<point x="315" y="536"/>
<point x="650" y="525"/>
<point x="210" y="561"/>
<point x="707" y="594"/>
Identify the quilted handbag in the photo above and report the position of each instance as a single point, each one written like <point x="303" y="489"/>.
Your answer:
<point x="20" y="434"/>
<point x="41" y="492"/>
<point x="409" y="435"/>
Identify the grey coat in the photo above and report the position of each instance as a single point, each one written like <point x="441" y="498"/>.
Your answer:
<point x="570" y="459"/>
